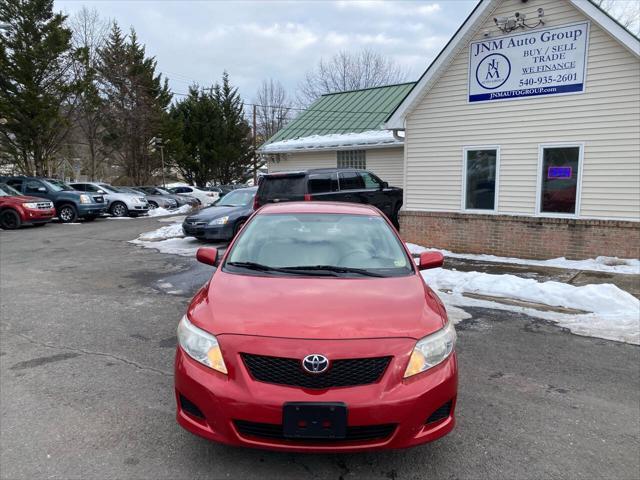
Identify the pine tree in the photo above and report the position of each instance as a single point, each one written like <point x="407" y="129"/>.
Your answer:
<point x="136" y="100"/>
<point x="37" y="88"/>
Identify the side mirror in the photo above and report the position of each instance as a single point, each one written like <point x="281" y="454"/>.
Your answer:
<point x="42" y="189"/>
<point x="101" y="191"/>
<point x="384" y="185"/>
<point x="208" y="256"/>
<point x="430" y="260"/>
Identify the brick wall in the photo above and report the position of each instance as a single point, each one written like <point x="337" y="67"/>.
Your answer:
<point x="524" y="237"/>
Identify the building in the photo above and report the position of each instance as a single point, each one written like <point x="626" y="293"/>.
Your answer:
<point x="343" y="130"/>
<point x="522" y="138"/>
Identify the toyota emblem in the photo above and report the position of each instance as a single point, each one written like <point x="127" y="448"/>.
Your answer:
<point x="315" y="363"/>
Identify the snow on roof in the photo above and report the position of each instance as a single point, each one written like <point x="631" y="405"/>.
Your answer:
<point x="338" y="141"/>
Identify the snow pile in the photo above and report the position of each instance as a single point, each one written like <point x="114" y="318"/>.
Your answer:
<point x="334" y="140"/>
<point x="613" y="313"/>
<point x="160" y="212"/>
<point x="627" y="266"/>
<point x="169" y="239"/>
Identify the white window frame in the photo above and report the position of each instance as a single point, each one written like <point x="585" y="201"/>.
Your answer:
<point x="541" y="148"/>
<point x="463" y="204"/>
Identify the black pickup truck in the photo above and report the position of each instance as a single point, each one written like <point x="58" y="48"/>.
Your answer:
<point x="331" y="185"/>
<point x="70" y="204"/>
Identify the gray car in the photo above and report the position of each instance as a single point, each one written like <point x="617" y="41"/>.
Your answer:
<point x="155" y="201"/>
<point x="120" y="203"/>
<point x="181" y="199"/>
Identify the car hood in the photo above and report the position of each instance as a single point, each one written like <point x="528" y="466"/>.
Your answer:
<point x="23" y="199"/>
<point x="209" y="213"/>
<point x="316" y="308"/>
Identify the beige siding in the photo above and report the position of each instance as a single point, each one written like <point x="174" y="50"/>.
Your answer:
<point x="387" y="163"/>
<point x="606" y="119"/>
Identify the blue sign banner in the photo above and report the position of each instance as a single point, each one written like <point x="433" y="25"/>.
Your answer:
<point x="530" y="64"/>
<point x="559" y="172"/>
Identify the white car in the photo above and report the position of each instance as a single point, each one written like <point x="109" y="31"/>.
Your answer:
<point x="206" y="197"/>
<point x="121" y="203"/>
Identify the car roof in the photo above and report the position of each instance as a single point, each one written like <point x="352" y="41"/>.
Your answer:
<point x="319" y="207"/>
<point x="311" y="171"/>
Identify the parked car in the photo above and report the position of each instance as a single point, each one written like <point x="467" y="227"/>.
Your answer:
<point x="181" y="199"/>
<point x="317" y="333"/>
<point x="223" y="220"/>
<point x="331" y="184"/>
<point x="70" y="204"/>
<point x="119" y="202"/>
<point x="17" y="210"/>
<point x="155" y="201"/>
<point x="206" y="198"/>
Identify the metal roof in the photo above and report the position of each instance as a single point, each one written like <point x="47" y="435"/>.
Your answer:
<point x="354" y="111"/>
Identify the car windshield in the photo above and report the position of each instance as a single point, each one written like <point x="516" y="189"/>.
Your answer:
<point x="161" y="191"/>
<point x="110" y="188"/>
<point x="57" y="185"/>
<point x="319" y="244"/>
<point x="7" y="191"/>
<point x="237" y="198"/>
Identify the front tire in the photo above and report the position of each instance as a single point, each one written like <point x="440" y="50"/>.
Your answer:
<point x="119" y="209"/>
<point x="67" y="213"/>
<point x="10" y="220"/>
<point x="153" y="205"/>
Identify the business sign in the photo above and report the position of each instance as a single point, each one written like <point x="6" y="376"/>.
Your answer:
<point x="542" y="62"/>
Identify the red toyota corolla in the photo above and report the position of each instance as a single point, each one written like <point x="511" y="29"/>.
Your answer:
<point x="317" y="333"/>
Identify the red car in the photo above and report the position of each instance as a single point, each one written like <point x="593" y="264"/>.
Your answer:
<point x="317" y="333"/>
<point x="17" y="210"/>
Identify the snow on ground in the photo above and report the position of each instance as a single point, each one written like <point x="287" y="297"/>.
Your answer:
<point x="370" y="137"/>
<point x="161" y="212"/>
<point x="169" y="239"/>
<point x="613" y="313"/>
<point x="627" y="266"/>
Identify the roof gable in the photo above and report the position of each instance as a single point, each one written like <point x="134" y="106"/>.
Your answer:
<point x="354" y="111"/>
<point x="467" y="30"/>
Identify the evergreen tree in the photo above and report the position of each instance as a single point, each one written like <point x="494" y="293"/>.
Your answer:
<point x="135" y="100"/>
<point x="37" y="88"/>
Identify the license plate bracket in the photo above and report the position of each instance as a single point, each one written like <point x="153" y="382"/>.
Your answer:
<point x="314" y="420"/>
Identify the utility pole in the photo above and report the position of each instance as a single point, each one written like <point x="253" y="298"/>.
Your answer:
<point x="255" y="153"/>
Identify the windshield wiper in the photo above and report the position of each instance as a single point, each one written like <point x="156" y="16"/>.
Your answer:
<point x="336" y="269"/>
<point x="266" y="268"/>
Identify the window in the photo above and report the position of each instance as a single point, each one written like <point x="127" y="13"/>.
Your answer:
<point x="352" y="159"/>
<point x="33" y="186"/>
<point x="351" y="181"/>
<point x="559" y="179"/>
<point x="371" y="181"/>
<point x="323" y="183"/>
<point x="480" y="178"/>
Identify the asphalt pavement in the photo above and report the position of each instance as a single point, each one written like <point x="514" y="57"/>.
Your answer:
<point x="87" y="342"/>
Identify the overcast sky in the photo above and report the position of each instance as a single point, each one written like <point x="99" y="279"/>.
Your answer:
<point x="196" y="41"/>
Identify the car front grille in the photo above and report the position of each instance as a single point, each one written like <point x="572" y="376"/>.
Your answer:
<point x="98" y="199"/>
<point x="44" y="205"/>
<point x="341" y="373"/>
<point x="354" y="434"/>
<point x="195" y="223"/>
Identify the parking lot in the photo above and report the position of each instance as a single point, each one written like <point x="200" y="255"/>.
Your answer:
<point x="87" y="345"/>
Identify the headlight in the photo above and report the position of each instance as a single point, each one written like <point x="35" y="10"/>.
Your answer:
<point x="219" y="221"/>
<point x="432" y="350"/>
<point x="85" y="199"/>
<point x="30" y="205"/>
<point x="200" y="345"/>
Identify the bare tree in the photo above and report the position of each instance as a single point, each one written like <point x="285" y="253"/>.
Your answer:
<point x="89" y="35"/>
<point x="273" y="109"/>
<point x="349" y="71"/>
<point x="627" y="12"/>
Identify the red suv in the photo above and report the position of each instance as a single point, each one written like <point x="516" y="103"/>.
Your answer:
<point x="317" y="333"/>
<point x="17" y="210"/>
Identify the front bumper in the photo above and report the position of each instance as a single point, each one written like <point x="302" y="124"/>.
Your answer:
<point x="91" y="210"/>
<point x="32" y="216"/>
<point x="224" y="400"/>
<point x="208" y="232"/>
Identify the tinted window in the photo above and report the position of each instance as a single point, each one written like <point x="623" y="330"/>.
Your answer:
<point x="282" y="188"/>
<point x="7" y="191"/>
<point x="351" y="181"/>
<point x="322" y="183"/>
<point x="33" y="186"/>
<point x="481" y="179"/>
<point x="17" y="184"/>
<point x="371" y="181"/>
<point x="559" y="179"/>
